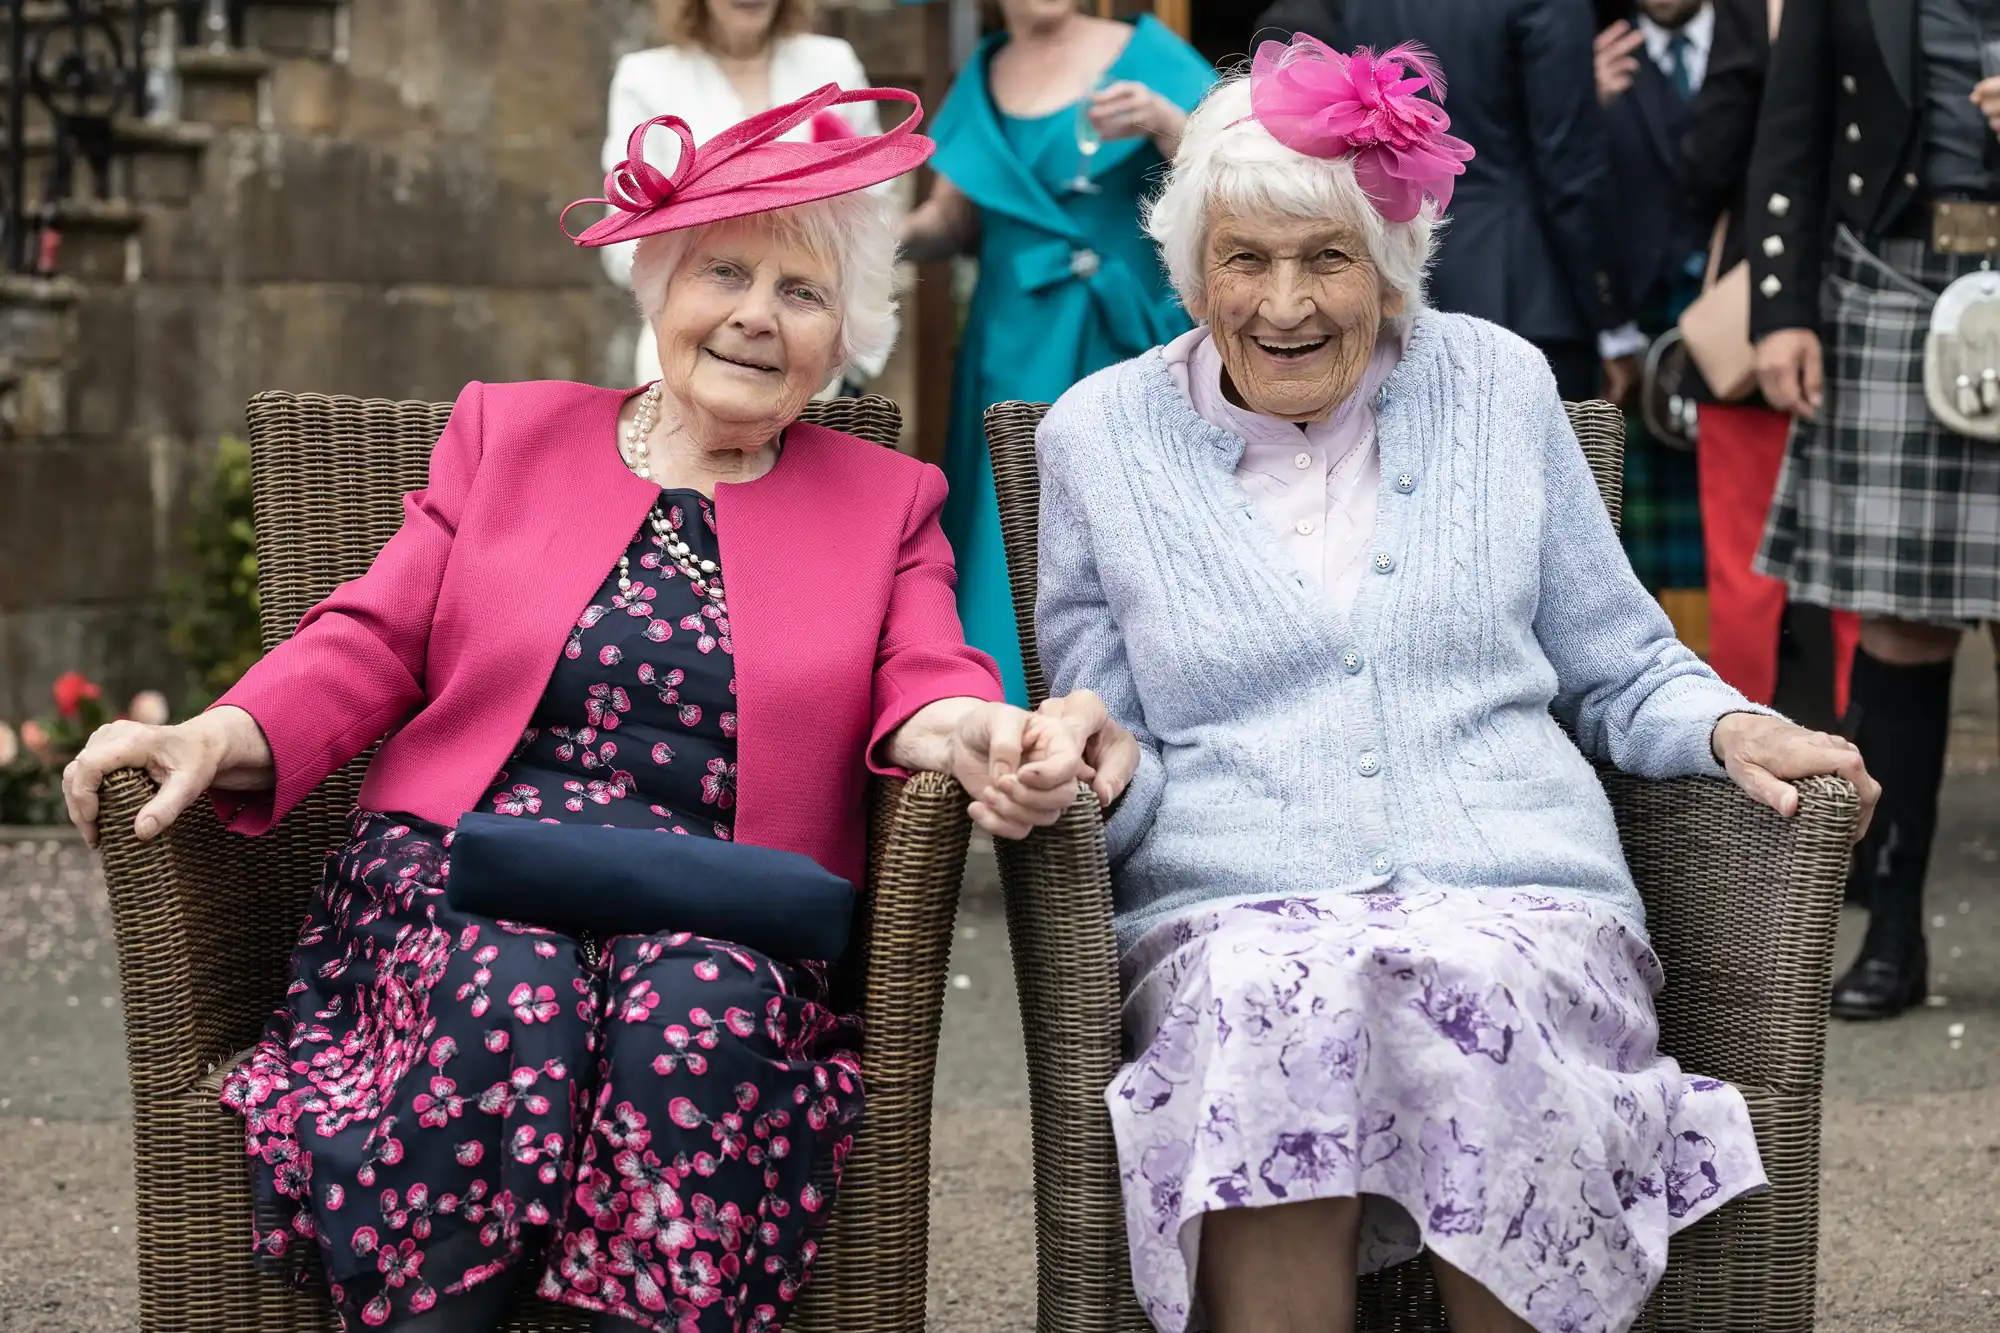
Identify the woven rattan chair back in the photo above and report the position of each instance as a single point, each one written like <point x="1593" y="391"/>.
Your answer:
<point x="1010" y="437"/>
<point x="329" y="475"/>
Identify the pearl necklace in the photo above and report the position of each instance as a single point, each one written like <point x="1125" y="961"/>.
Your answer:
<point x="702" y="574"/>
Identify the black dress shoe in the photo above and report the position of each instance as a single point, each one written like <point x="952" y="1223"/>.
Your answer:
<point x="1882" y="986"/>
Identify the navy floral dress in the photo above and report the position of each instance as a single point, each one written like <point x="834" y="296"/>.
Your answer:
<point x="657" y="1122"/>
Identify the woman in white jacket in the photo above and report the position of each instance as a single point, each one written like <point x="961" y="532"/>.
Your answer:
<point x="720" y="62"/>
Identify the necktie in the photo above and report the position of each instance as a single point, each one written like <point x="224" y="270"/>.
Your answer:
<point x="1677" y="65"/>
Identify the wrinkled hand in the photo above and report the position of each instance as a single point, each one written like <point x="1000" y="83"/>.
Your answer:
<point x="1789" y="370"/>
<point x="1126" y="110"/>
<point x="1020" y="769"/>
<point x="1616" y="65"/>
<point x="1110" y="752"/>
<point x="1765" y="755"/>
<point x="224" y="748"/>
<point x="1986" y="96"/>
<point x="1621" y="379"/>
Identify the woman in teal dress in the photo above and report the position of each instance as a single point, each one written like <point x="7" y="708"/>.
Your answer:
<point x="1068" y="281"/>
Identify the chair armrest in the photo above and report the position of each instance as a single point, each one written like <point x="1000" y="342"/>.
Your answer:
<point x="1742" y="906"/>
<point x="1058" y="891"/>
<point x="202" y="943"/>
<point x="873" y="1260"/>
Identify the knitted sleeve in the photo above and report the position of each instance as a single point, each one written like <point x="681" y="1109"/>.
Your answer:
<point x="1635" y="695"/>
<point x="1081" y="648"/>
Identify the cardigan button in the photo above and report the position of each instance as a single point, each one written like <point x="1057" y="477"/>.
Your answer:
<point x="1384" y="562"/>
<point x="1381" y="864"/>
<point x="1406" y="483"/>
<point x="1350" y="662"/>
<point x="1369" y="764"/>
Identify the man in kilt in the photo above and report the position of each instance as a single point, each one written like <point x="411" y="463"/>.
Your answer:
<point x="1874" y="184"/>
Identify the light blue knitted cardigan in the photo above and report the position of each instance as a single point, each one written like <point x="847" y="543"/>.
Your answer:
<point x="1290" y="749"/>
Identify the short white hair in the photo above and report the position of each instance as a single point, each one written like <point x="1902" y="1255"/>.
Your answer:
<point x="1229" y="164"/>
<point x="853" y="233"/>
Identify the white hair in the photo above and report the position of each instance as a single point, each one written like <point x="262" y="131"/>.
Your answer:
<point x="1228" y="163"/>
<point x="853" y="233"/>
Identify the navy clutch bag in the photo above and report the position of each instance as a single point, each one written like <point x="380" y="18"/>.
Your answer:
<point x="583" y="878"/>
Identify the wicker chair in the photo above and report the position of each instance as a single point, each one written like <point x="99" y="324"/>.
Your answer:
<point x="1742" y="907"/>
<point x="206" y="922"/>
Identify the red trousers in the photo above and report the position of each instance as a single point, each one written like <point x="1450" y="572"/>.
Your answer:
<point x="1738" y="454"/>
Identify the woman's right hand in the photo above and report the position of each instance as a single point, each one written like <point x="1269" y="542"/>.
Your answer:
<point x="223" y="748"/>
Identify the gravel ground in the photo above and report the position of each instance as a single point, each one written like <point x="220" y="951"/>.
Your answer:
<point x="1912" y="1108"/>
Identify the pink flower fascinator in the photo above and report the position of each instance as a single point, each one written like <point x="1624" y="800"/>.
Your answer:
<point x="1318" y="102"/>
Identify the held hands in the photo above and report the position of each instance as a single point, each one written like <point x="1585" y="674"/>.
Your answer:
<point x="1612" y="54"/>
<point x="1764" y="755"/>
<point x="1022" y="768"/>
<point x="1788" y="371"/>
<point x="224" y="749"/>
<point x="1110" y="752"/>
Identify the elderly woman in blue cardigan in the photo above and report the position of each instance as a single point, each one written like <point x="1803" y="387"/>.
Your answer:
<point x="1338" y="564"/>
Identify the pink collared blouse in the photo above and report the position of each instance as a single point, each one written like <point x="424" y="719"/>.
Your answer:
<point x="1315" y="483"/>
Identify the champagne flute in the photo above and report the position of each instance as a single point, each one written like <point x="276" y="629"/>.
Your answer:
<point x="1088" y="140"/>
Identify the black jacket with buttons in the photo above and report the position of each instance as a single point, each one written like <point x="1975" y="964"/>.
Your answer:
<point x="1837" y="144"/>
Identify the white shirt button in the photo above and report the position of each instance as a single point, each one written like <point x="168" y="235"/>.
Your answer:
<point x="1847" y="84"/>
<point x="1853" y="133"/>
<point x="1302" y="460"/>
<point x="1854" y="184"/>
<point x="1304" y="527"/>
<point x="1770" y="286"/>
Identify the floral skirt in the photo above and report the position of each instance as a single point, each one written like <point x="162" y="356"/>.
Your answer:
<point x="1480" y="1068"/>
<point x="444" y="1098"/>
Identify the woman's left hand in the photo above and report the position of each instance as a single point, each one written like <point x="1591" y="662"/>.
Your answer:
<point x="1020" y="768"/>
<point x="1765" y="755"/>
<point x="1128" y="109"/>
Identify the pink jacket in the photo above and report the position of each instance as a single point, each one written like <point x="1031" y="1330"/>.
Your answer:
<point x="840" y="600"/>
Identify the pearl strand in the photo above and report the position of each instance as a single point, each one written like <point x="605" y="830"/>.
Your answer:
<point x="702" y="574"/>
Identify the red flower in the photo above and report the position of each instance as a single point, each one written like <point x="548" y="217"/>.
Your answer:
<point x="70" y="691"/>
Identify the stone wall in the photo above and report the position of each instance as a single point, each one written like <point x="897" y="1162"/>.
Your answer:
<point x="362" y="202"/>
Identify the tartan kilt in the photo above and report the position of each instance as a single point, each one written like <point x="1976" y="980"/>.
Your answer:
<point x="1661" y="527"/>
<point x="1880" y="509"/>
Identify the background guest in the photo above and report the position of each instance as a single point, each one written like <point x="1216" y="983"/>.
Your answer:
<point x="1530" y="245"/>
<point x="719" y="62"/>
<point x="1876" y="166"/>
<point x="1049" y="139"/>
<point x="1658" y="60"/>
<point x="1795" y="656"/>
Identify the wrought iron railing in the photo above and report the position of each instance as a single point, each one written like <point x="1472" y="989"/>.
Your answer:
<point x="76" y="69"/>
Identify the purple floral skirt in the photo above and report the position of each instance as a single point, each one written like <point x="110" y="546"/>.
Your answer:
<point x="659" y="1124"/>
<point x="1480" y="1068"/>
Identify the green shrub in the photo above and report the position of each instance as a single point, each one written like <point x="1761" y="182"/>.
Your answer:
<point x="213" y="604"/>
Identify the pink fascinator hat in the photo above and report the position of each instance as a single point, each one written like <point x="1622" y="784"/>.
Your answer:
<point x="1318" y="102"/>
<point x="749" y="168"/>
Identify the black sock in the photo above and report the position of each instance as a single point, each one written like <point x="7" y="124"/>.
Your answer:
<point x="1900" y="717"/>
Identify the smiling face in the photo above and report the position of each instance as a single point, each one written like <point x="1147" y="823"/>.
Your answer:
<point x="740" y="25"/>
<point x="1294" y="309"/>
<point x="749" y="330"/>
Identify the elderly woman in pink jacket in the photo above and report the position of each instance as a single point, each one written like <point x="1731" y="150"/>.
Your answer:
<point x="677" y="608"/>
